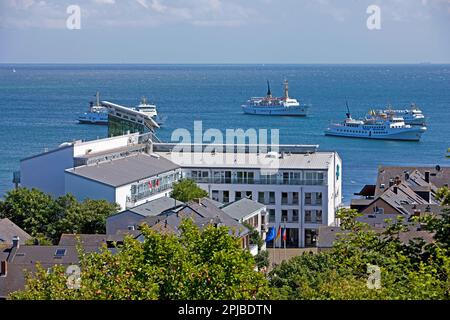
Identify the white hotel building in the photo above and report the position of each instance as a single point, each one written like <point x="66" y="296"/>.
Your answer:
<point x="302" y="194"/>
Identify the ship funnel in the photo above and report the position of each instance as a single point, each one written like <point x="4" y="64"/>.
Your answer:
<point x="348" y="110"/>
<point x="269" y="93"/>
<point x="286" y="89"/>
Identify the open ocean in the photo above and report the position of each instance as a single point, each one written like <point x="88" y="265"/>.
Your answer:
<point x="39" y="106"/>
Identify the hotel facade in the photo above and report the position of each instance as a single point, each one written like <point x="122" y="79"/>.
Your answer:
<point x="301" y="193"/>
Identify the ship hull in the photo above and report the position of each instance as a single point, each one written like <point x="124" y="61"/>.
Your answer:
<point x="93" y="118"/>
<point x="100" y="122"/>
<point x="409" y="135"/>
<point x="276" y="111"/>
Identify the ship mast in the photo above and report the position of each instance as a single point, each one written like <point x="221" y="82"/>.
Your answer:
<point x="286" y="90"/>
<point x="97" y="95"/>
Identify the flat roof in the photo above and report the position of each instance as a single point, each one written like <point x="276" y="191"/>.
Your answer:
<point x="126" y="170"/>
<point x="312" y="161"/>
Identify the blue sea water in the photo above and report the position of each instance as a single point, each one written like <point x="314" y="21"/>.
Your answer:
<point x="39" y="105"/>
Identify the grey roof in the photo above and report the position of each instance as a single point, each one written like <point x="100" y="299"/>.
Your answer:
<point x="123" y="171"/>
<point x="85" y="239"/>
<point x="203" y="214"/>
<point x="9" y="229"/>
<point x="242" y="208"/>
<point x="26" y="257"/>
<point x="402" y="196"/>
<point x="155" y="207"/>
<point x="438" y="178"/>
<point x="378" y="220"/>
<point x="328" y="235"/>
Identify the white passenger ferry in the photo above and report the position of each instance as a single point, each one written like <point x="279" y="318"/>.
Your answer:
<point x="412" y="116"/>
<point x="275" y="106"/>
<point x="392" y="128"/>
<point x="150" y="110"/>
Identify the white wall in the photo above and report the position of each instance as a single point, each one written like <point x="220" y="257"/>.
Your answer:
<point x="46" y="171"/>
<point x="103" y="144"/>
<point x="83" y="188"/>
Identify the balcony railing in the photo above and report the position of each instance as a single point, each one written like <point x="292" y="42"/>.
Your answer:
<point x="137" y="197"/>
<point x="259" y="181"/>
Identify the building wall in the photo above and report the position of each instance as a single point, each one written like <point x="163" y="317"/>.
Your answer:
<point x="46" y="171"/>
<point x="100" y="145"/>
<point x="83" y="188"/>
<point x="278" y="206"/>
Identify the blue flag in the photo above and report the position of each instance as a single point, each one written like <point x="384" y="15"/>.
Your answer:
<point x="271" y="234"/>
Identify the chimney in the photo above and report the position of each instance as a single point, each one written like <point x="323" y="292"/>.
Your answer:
<point x="16" y="242"/>
<point x="427" y="176"/>
<point x="391" y="182"/>
<point x="395" y="189"/>
<point x="3" y="268"/>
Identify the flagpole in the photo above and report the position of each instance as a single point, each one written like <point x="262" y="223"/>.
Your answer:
<point x="285" y="236"/>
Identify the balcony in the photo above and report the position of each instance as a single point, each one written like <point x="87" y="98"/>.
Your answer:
<point x="131" y="200"/>
<point x="259" y="181"/>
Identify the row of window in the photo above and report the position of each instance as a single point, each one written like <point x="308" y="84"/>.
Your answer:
<point x="311" y="216"/>
<point x="249" y="177"/>
<point x="268" y="198"/>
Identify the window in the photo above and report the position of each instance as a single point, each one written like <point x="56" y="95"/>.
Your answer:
<point x="271" y="215"/>
<point x="319" y="216"/>
<point x="237" y="195"/>
<point x="249" y="195"/>
<point x="318" y="198"/>
<point x="284" y="198"/>
<point x="215" y="195"/>
<point x="226" y="196"/>
<point x="269" y="179"/>
<point x="271" y="197"/>
<point x="295" y="215"/>
<point x="310" y="237"/>
<point x="60" y="253"/>
<point x="284" y="215"/>
<point x="295" y="198"/>
<point x="222" y="176"/>
<point x="308" y="216"/>
<point x="261" y="197"/>
<point x="199" y="175"/>
<point x="245" y="177"/>
<point x="285" y="177"/>
<point x="308" y="198"/>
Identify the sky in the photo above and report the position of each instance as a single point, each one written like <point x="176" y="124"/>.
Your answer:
<point x="224" y="31"/>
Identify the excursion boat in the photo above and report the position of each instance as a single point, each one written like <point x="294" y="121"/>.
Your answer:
<point x="391" y="128"/>
<point x="97" y="114"/>
<point x="275" y="106"/>
<point x="412" y="116"/>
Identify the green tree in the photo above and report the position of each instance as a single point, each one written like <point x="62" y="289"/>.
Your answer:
<point x="186" y="190"/>
<point x="198" y="264"/>
<point x="46" y="218"/>
<point x="414" y="270"/>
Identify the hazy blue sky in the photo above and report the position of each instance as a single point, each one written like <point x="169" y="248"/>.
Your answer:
<point x="225" y="31"/>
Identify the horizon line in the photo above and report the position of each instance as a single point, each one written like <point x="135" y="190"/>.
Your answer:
<point x="224" y="63"/>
